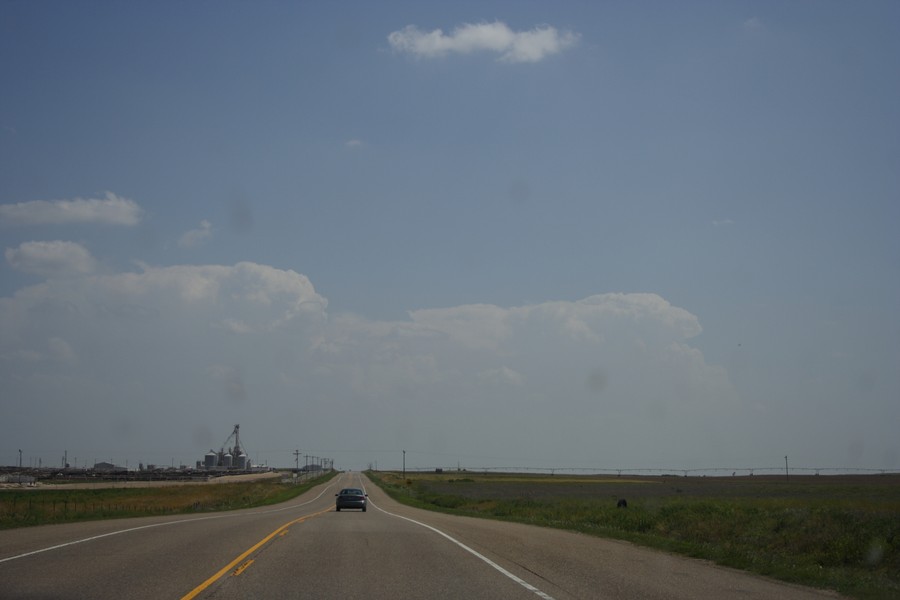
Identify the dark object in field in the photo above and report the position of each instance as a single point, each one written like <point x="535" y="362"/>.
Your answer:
<point x="622" y="503"/>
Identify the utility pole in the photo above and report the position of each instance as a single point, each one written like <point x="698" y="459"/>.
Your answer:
<point x="297" y="458"/>
<point x="404" y="465"/>
<point x="786" y="475"/>
<point x="20" y="458"/>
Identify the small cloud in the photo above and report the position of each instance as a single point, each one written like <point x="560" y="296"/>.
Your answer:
<point x="512" y="46"/>
<point x="354" y="143"/>
<point x="236" y="326"/>
<point x="61" y="350"/>
<point x="198" y="236"/>
<point x="753" y="24"/>
<point x="51" y="259"/>
<point x="502" y="376"/>
<point x="722" y="222"/>
<point x="109" y="210"/>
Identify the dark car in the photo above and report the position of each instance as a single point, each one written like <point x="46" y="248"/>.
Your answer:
<point x="351" y="498"/>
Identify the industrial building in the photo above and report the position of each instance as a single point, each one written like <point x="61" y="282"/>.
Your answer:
<point x="228" y="458"/>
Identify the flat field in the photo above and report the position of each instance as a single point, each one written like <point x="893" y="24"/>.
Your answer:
<point x="64" y="503"/>
<point x="836" y="532"/>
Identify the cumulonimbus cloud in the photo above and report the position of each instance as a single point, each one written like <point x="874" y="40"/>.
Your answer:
<point x="577" y="378"/>
<point x="109" y="210"/>
<point x="246" y="297"/>
<point x="513" y="46"/>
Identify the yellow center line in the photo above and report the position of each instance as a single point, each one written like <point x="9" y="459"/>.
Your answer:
<point x="242" y="568"/>
<point x="197" y="590"/>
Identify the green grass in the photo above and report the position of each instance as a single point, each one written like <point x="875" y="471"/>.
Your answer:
<point x="23" y="508"/>
<point x="840" y="533"/>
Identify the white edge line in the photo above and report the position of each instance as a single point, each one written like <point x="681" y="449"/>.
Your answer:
<point x="111" y="533"/>
<point x="512" y="576"/>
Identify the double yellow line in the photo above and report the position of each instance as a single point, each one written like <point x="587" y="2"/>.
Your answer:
<point x="221" y="573"/>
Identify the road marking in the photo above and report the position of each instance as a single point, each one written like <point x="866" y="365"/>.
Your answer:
<point x="474" y="552"/>
<point x="200" y="588"/>
<point x="103" y="535"/>
<point x="242" y="568"/>
<point x="179" y="521"/>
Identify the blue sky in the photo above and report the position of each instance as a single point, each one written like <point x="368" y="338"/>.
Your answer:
<point x="551" y="234"/>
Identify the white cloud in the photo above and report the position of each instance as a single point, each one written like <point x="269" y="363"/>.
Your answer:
<point x="109" y="210"/>
<point x="580" y="378"/>
<point x="198" y="236"/>
<point x="512" y="46"/>
<point x="51" y="259"/>
<point x="235" y="326"/>
<point x="623" y="345"/>
<point x="242" y="298"/>
<point x="250" y="342"/>
<point x="753" y="24"/>
<point x="354" y="143"/>
<point x="477" y="326"/>
<point x="488" y="326"/>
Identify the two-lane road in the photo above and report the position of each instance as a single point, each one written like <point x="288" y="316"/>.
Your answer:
<point x="304" y="549"/>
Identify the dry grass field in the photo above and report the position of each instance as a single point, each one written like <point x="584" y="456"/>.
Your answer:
<point x="836" y="532"/>
<point x="29" y="506"/>
<point x="853" y="488"/>
<point x="114" y="483"/>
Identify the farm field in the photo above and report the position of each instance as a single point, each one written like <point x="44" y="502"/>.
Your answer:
<point x="835" y="532"/>
<point x="24" y="507"/>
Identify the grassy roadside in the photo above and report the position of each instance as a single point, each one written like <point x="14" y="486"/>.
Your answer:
<point x="23" y="508"/>
<point x="829" y="534"/>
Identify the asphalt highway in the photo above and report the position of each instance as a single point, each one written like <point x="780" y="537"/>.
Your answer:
<point x="304" y="549"/>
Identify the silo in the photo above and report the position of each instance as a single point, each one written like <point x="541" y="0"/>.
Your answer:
<point x="228" y="460"/>
<point x="243" y="462"/>
<point x="210" y="459"/>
